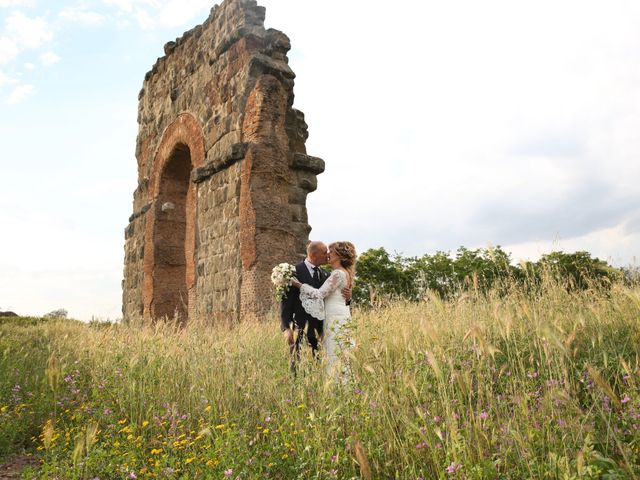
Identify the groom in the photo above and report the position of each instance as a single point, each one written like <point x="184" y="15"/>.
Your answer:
<point x="293" y="318"/>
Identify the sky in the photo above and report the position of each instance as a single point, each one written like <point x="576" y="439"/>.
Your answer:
<point x="442" y="124"/>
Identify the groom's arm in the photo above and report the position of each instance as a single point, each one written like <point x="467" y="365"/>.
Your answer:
<point x="346" y="294"/>
<point x="286" y="316"/>
<point x="286" y="310"/>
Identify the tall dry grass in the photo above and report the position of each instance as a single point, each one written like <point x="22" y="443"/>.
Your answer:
<point x="514" y="385"/>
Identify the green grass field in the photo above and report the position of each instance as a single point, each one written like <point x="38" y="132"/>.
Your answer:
<point x="478" y="387"/>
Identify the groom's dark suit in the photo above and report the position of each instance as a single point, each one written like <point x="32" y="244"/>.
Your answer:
<point x="292" y="312"/>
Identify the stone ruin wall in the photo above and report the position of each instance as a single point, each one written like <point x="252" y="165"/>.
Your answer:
<point x="223" y="173"/>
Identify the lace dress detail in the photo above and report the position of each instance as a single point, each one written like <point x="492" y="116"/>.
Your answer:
<point x="327" y="303"/>
<point x="313" y="299"/>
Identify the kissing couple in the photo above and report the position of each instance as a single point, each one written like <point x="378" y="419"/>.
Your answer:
<point x="319" y="302"/>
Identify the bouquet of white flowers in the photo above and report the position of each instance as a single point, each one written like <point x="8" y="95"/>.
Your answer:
<point x="281" y="276"/>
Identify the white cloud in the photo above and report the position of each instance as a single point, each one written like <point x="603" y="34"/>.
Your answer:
<point x="79" y="14"/>
<point x="49" y="58"/>
<point x="180" y="12"/>
<point x="477" y="129"/>
<point x="151" y="14"/>
<point x="614" y="245"/>
<point x="28" y="32"/>
<point x="8" y="50"/>
<point x="19" y="93"/>
<point x="3" y="79"/>
<point x="123" y="5"/>
<point x="7" y="80"/>
<point x="15" y="3"/>
<point x="29" y="66"/>
<point x="144" y="20"/>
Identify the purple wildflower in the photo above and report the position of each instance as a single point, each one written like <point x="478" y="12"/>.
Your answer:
<point x="228" y="472"/>
<point x="453" y="467"/>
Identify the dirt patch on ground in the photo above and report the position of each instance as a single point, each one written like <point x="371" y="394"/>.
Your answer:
<point x="11" y="468"/>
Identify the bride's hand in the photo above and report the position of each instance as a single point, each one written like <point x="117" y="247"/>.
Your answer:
<point x="295" y="282"/>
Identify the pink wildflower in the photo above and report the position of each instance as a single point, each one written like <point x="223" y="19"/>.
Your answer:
<point x="453" y="467"/>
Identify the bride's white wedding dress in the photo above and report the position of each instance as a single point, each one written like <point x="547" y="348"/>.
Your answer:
<point x="327" y="303"/>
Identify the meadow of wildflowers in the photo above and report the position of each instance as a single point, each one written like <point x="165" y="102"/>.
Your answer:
<point x="535" y="385"/>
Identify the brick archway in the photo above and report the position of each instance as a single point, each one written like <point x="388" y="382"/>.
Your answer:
<point x="170" y="240"/>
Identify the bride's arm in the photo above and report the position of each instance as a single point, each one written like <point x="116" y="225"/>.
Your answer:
<point x="312" y="299"/>
<point x="330" y="285"/>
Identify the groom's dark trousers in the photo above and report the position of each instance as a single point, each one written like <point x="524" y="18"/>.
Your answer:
<point x="292" y="314"/>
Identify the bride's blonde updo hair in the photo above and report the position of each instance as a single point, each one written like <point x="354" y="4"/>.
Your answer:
<point x="346" y="252"/>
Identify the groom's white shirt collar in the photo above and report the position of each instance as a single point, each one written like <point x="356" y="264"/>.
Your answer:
<point x="310" y="266"/>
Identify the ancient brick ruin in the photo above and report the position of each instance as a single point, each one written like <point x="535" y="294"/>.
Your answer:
<point x="223" y="173"/>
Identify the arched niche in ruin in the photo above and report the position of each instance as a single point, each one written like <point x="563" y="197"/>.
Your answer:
<point x="170" y="240"/>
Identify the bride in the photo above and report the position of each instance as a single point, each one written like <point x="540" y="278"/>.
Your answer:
<point x="327" y="303"/>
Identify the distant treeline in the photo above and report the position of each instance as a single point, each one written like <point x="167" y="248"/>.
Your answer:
<point x="382" y="276"/>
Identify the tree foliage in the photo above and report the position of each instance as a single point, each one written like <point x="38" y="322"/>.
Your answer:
<point x="382" y="276"/>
